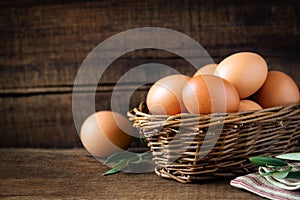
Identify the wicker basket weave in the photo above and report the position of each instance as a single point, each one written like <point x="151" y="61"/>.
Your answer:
<point x="189" y="147"/>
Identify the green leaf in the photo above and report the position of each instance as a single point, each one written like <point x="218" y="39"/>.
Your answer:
<point x="117" y="167"/>
<point x="267" y="173"/>
<point x="147" y="155"/>
<point x="266" y="161"/>
<point x="138" y="161"/>
<point x="125" y="159"/>
<point x="290" y="156"/>
<point x="295" y="174"/>
<point x="124" y="155"/>
<point x="121" y="164"/>
<point x="280" y="174"/>
<point x="111" y="171"/>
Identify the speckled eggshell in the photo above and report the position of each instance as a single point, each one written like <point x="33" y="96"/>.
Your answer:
<point x="205" y="94"/>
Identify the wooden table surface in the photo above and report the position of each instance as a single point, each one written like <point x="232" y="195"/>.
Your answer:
<point x="72" y="174"/>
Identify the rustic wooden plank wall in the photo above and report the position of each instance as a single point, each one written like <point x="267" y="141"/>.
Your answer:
<point x="44" y="42"/>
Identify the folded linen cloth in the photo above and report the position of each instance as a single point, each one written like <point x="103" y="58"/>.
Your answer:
<point x="284" y="183"/>
<point x="259" y="185"/>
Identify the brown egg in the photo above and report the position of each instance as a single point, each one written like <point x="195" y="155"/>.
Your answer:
<point x="165" y="96"/>
<point x="207" y="94"/>
<point x="248" y="105"/>
<point x="247" y="71"/>
<point x="105" y="133"/>
<point x="206" y="69"/>
<point x="279" y="89"/>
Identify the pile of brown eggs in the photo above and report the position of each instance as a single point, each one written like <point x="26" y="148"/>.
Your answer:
<point x="240" y="82"/>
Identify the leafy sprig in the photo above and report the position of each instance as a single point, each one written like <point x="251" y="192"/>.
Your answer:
<point x="125" y="159"/>
<point x="278" y="167"/>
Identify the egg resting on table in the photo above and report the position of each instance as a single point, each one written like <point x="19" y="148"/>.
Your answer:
<point x="105" y="132"/>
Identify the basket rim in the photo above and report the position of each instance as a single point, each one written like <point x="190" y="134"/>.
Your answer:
<point x="137" y="111"/>
<point x="156" y="121"/>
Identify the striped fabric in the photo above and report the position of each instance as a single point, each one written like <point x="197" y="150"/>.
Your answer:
<point x="259" y="185"/>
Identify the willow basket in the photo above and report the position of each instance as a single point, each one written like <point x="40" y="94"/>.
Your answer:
<point x="189" y="147"/>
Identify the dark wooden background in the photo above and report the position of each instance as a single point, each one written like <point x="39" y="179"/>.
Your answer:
<point x="43" y="43"/>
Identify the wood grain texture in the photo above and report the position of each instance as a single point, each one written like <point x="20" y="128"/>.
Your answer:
<point x="30" y="122"/>
<point x="70" y="174"/>
<point x="43" y="44"/>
